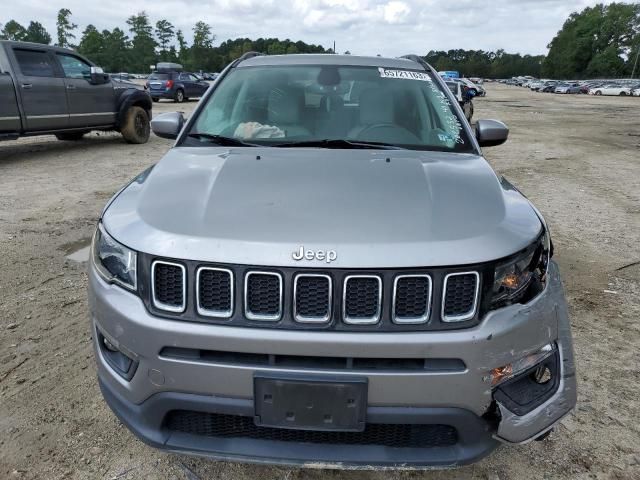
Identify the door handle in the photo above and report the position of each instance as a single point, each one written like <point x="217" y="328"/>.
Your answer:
<point x="27" y="86"/>
<point x="71" y="87"/>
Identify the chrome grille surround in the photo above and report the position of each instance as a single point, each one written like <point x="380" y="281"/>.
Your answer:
<point x="306" y="319"/>
<point x="215" y="313"/>
<point x="361" y="320"/>
<point x="165" y="306"/>
<point x="256" y="316"/>
<point x="471" y="313"/>
<point x="411" y="320"/>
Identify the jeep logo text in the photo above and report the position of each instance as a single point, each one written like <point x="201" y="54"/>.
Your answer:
<point x="322" y="255"/>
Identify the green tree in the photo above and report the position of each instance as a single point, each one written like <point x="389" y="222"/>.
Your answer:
<point x="13" y="31"/>
<point x="590" y="41"/>
<point x="65" y="28"/>
<point x="143" y="45"/>
<point x="36" y="33"/>
<point x="116" y="44"/>
<point x="164" y="33"/>
<point x="201" y="55"/>
<point x="92" y="45"/>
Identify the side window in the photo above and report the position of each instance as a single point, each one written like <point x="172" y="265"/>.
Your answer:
<point x="34" y="63"/>
<point x="184" y="77"/>
<point x="193" y="78"/>
<point x="73" y="67"/>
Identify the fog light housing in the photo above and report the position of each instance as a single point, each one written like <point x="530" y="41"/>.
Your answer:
<point x="529" y="382"/>
<point x="120" y="362"/>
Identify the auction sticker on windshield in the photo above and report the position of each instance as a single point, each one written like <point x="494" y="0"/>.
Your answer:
<point x="406" y="74"/>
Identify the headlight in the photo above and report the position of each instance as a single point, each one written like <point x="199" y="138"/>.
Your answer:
<point x="514" y="279"/>
<point x="115" y="262"/>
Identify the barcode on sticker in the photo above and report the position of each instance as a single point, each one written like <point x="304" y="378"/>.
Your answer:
<point x="405" y="74"/>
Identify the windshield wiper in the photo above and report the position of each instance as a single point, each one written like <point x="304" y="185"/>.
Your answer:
<point x="339" y="143"/>
<point x="221" y="140"/>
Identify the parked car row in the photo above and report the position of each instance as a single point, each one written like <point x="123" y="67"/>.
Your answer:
<point x="622" y="88"/>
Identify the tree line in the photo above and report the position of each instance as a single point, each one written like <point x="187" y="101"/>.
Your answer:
<point x="599" y="41"/>
<point x="141" y="43"/>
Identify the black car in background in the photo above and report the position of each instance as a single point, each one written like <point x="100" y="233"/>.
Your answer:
<point x="169" y="81"/>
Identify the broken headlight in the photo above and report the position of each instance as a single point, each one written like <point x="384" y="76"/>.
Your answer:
<point x="114" y="262"/>
<point x="523" y="276"/>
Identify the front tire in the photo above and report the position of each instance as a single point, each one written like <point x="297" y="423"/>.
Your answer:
<point x="598" y="92"/>
<point x="623" y="94"/>
<point x="71" y="136"/>
<point x="179" y="96"/>
<point x="136" y="127"/>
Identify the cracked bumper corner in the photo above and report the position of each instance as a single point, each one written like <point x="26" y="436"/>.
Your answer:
<point x="522" y="429"/>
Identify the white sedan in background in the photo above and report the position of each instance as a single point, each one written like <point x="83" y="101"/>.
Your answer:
<point x="611" y="89"/>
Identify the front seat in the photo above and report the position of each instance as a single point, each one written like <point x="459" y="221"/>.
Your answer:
<point x="285" y="111"/>
<point x="377" y="119"/>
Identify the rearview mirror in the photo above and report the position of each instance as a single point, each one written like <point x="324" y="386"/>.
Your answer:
<point x="491" y="133"/>
<point x="97" y="76"/>
<point x="168" y="125"/>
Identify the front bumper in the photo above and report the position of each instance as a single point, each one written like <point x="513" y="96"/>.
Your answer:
<point x="461" y="398"/>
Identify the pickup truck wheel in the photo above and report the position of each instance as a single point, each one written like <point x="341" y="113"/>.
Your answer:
<point x="179" y="97"/>
<point x="136" y="128"/>
<point x="71" y="136"/>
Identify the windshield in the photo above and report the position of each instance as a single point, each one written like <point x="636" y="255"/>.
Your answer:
<point x="284" y="105"/>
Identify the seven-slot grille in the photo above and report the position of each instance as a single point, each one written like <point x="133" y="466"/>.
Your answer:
<point x="337" y="299"/>
<point x="263" y="296"/>
<point x="168" y="285"/>
<point x="214" y="292"/>
<point x="312" y="298"/>
<point x="411" y="299"/>
<point x="460" y="296"/>
<point x="362" y="299"/>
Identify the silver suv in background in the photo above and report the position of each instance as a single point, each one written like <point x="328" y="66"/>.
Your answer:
<point x="324" y="270"/>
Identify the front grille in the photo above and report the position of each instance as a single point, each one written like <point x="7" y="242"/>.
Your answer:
<point x="412" y="299"/>
<point x="389" y="435"/>
<point x="168" y="282"/>
<point x="362" y="299"/>
<point x="330" y="299"/>
<point x="460" y="296"/>
<point x="215" y="292"/>
<point x="312" y="298"/>
<point x="263" y="296"/>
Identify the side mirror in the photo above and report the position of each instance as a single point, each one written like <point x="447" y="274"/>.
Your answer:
<point x="98" y="77"/>
<point x="491" y="133"/>
<point x="168" y="125"/>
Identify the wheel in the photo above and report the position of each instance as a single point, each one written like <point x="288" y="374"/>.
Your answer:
<point x="598" y="92"/>
<point x="136" y="127"/>
<point x="155" y="99"/>
<point x="179" y="96"/>
<point x="623" y="94"/>
<point x="71" y="136"/>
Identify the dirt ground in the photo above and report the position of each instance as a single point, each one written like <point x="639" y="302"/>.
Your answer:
<point x="576" y="157"/>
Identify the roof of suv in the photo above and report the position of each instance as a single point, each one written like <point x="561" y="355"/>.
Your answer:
<point x="329" y="59"/>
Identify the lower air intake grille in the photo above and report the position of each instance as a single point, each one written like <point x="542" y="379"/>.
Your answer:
<point x="263" y="296"/>
<point x="460" y="296"/>
<point x="362" y="299"/>
<point x="169" y="286"/>
<point x="390" y="435"/>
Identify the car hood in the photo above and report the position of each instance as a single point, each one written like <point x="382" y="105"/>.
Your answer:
<point x="374" y="208"/>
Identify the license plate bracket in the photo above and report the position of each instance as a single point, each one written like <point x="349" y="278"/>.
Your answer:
<point x="310" y="403"/>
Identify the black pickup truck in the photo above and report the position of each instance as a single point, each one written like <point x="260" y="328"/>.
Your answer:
<point x="51" y="90"/>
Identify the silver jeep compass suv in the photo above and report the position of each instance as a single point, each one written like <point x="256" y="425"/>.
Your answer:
<point x="324" y="270"/>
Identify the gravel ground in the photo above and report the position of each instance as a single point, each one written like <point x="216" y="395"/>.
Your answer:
<point x="576" y="157"/>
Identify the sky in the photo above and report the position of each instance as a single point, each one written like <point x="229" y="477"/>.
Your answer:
<point x="364" y="27"/>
